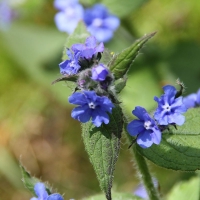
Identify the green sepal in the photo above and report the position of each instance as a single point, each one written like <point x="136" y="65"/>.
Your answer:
<point x="102" y="145"/>
<point x="179" y="149"/>
<point x="120" y="84"/>
<point x="29" y="181"/>
<point x="79" y="36"/>
<point x="120" y="63"/>
<point x="72" y="78"/>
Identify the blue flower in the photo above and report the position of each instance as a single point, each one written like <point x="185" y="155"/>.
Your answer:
<point x="91" y="106"/>
<point x="141" y="191"/>
<point x="89" y="49"/>
<point x="6" y="15"/>
<point x="42" y="194"/>
<point x="71" y="12"/>
<point x="169" y="109"/>
<point x="192" y="100"/>
<point x="145" y="128"/>
<point x="71" y="66"/>
<point x="99" y="72"/>
<point x="100" y="23"/>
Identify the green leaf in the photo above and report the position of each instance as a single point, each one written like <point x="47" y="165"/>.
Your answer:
<point x="115" y="196"/>
<point x="102" y="145"/>
<point x="121" y="63"/>
<point x="79" y="36"/>
<point x="29" y="181"/>
<point x="179" y="149"/>
<point x="187" y="190"/>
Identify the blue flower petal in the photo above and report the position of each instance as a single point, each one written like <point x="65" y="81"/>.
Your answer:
<point x="198" y="97"/>
<point x="63" y="4"/>
<point x="64" y="24"/>
<point x="139" y="112"/>
<point x="170" y="90"/>
<point x="101" y="34"/>
<point x="55" y="197"/>
<point x="91" y="96"/>
<point x="135" y="127"/>
<point x="99" y="117"/>
<point x="40" y="191"/>
<point x="77" y="98"/>
<point x="177" y="119"/>
<point x="190" y="100"/>
<point x="82" y="113"/>
<point x="91" y="42"/>
<point x="111" y="22"/>
<point x="144" y="139"/>
<point x="105" y="104"/>
<point x="99" y="72"/>
<point x="34" y="198"/>
<point x="156" y="136"/>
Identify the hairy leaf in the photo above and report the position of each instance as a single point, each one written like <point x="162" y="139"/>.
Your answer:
<point x="102" y="145"/>
<point x="29" y="181"/>
<point x="179" y="149"/>
<point x="121" y="62"/>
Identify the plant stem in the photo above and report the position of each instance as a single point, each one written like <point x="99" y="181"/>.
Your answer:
<point x="143" y="170"/>
<point x="145" y="175"/>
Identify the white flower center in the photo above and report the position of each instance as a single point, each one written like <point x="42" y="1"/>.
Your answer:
<point x="167" y="107"/>
<point x="72" y="63"/>
<point x="97" y="22"/>
<point x="92" y="105"/>
<point x="147" y="125"/>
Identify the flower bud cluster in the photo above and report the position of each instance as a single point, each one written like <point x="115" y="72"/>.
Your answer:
<point x="94" y="80"/>
<point x="169" y="112"/>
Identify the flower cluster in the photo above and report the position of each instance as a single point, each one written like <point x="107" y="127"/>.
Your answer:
<point x="169" y="112"/>
<point x="192" y="100"/>
<point x="93" y="80"/>
<point x="99" y="22"/>
<point x="40" y="191"/>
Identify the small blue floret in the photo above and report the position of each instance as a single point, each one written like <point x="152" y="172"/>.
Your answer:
<point x="90" y="105"/>
<point x="100" y="23"/>
<point x="42" y="194"/>
<point x="169" y="109"/>
<point x="144" y="128"/>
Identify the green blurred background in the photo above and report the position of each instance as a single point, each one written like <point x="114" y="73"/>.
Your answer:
<point x="35" y="123"/>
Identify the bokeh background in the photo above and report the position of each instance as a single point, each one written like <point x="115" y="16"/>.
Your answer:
<point x="35" y="124"/>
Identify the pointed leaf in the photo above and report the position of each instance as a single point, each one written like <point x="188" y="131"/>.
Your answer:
<point x="179" y="149"/>
<point x="29" y="181"/>
<point x="121" y="63"/>
<point x="102" y="145"/>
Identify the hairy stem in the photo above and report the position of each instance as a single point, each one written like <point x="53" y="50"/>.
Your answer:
<point x="143" y="170"/>
<point x="145" y="175"/>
